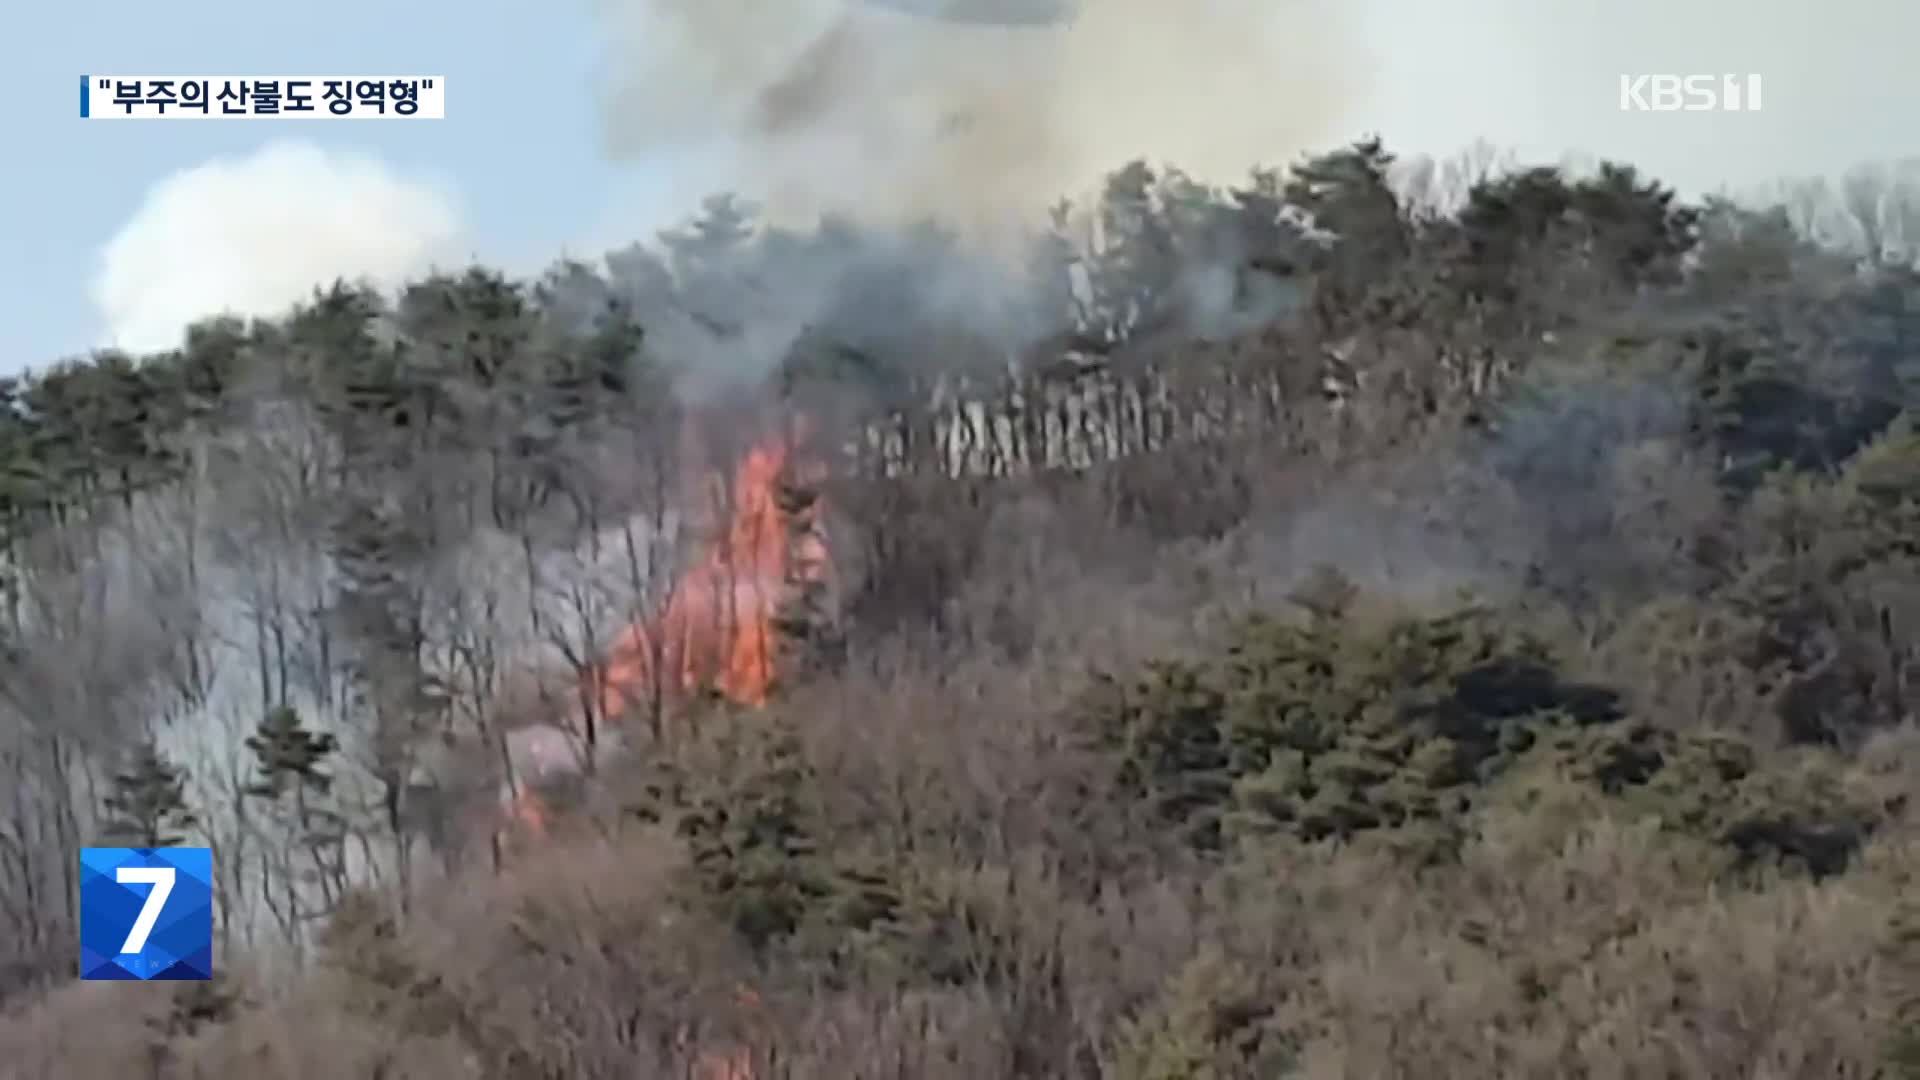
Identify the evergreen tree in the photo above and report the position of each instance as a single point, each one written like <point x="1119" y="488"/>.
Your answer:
<point x="288" y="766"/>
<point x="148" y="807"/>
<point x="288" y="759"/>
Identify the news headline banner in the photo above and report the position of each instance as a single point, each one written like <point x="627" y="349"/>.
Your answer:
<point x="263" y="97"/>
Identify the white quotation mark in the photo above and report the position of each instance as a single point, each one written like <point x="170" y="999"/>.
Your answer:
<point x="161" y="878"/>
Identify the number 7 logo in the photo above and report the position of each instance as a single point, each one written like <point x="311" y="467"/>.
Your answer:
<point x="161" y="878"/>
<point x="146" y="913"/>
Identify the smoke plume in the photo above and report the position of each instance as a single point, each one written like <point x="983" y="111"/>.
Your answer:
<point x="812" y="106"/>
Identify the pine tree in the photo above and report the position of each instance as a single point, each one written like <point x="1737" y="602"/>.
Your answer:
<point x="288" y="756"/>
<point x="148" y="807"/>
<point x="288" y="759"/>
<point x="809" y="639"/>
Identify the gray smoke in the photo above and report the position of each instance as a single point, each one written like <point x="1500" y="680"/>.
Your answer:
<point x="811" y="106"/>
<point x="892" y="110"/>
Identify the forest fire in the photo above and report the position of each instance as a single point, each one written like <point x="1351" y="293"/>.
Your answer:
<point x="715" y="629"/>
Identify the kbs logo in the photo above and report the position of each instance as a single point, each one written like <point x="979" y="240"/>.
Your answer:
<point x="1689" y="93"/>
<point x="146" y="913"/>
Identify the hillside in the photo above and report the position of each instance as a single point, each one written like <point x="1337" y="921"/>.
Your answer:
<point x="1324" y="628"/>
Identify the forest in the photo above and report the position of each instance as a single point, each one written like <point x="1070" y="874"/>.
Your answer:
<point x="1375" y="620"/>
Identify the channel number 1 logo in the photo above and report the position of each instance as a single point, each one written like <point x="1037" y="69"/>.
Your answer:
<point x="146" y="913"/>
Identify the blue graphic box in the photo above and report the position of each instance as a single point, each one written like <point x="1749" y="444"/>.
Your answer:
<point x="146" y="913"/>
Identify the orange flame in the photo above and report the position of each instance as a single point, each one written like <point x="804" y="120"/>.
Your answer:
<point x="716" y="631"/>
<point x="717" y="628"/>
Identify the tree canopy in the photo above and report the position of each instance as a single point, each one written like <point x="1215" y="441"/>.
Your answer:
<point x="1318" y="625"/>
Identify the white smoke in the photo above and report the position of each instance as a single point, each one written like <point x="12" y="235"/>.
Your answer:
<point x="850" y="106"/>
<point x="842" y="105"/>
<point x="253" y="235"/>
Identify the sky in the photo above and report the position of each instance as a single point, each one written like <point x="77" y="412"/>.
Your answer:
<point x="576" y="126"/>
